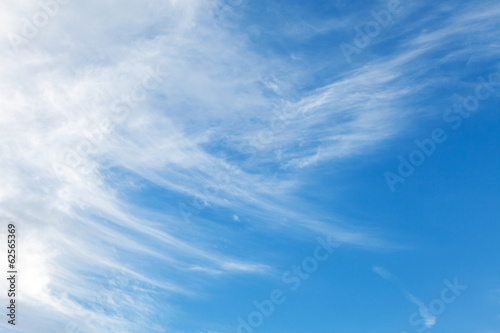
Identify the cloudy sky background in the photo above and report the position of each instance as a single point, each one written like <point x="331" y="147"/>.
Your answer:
<point x="166" y="161"/>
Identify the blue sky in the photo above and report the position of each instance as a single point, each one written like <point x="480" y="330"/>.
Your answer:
<point x="195" y="166"/>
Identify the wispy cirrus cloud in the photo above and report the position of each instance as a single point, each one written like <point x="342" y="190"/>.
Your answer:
<point x="215" y="94"/>
<point x="427" y="316"/>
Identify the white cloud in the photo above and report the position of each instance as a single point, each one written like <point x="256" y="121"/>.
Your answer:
<point x="80" y="230"/>
<point x="430" y="320"/>
<point x="385" y="274"/>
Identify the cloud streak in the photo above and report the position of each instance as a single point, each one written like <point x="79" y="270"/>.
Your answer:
<point x="85" y="235"/>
